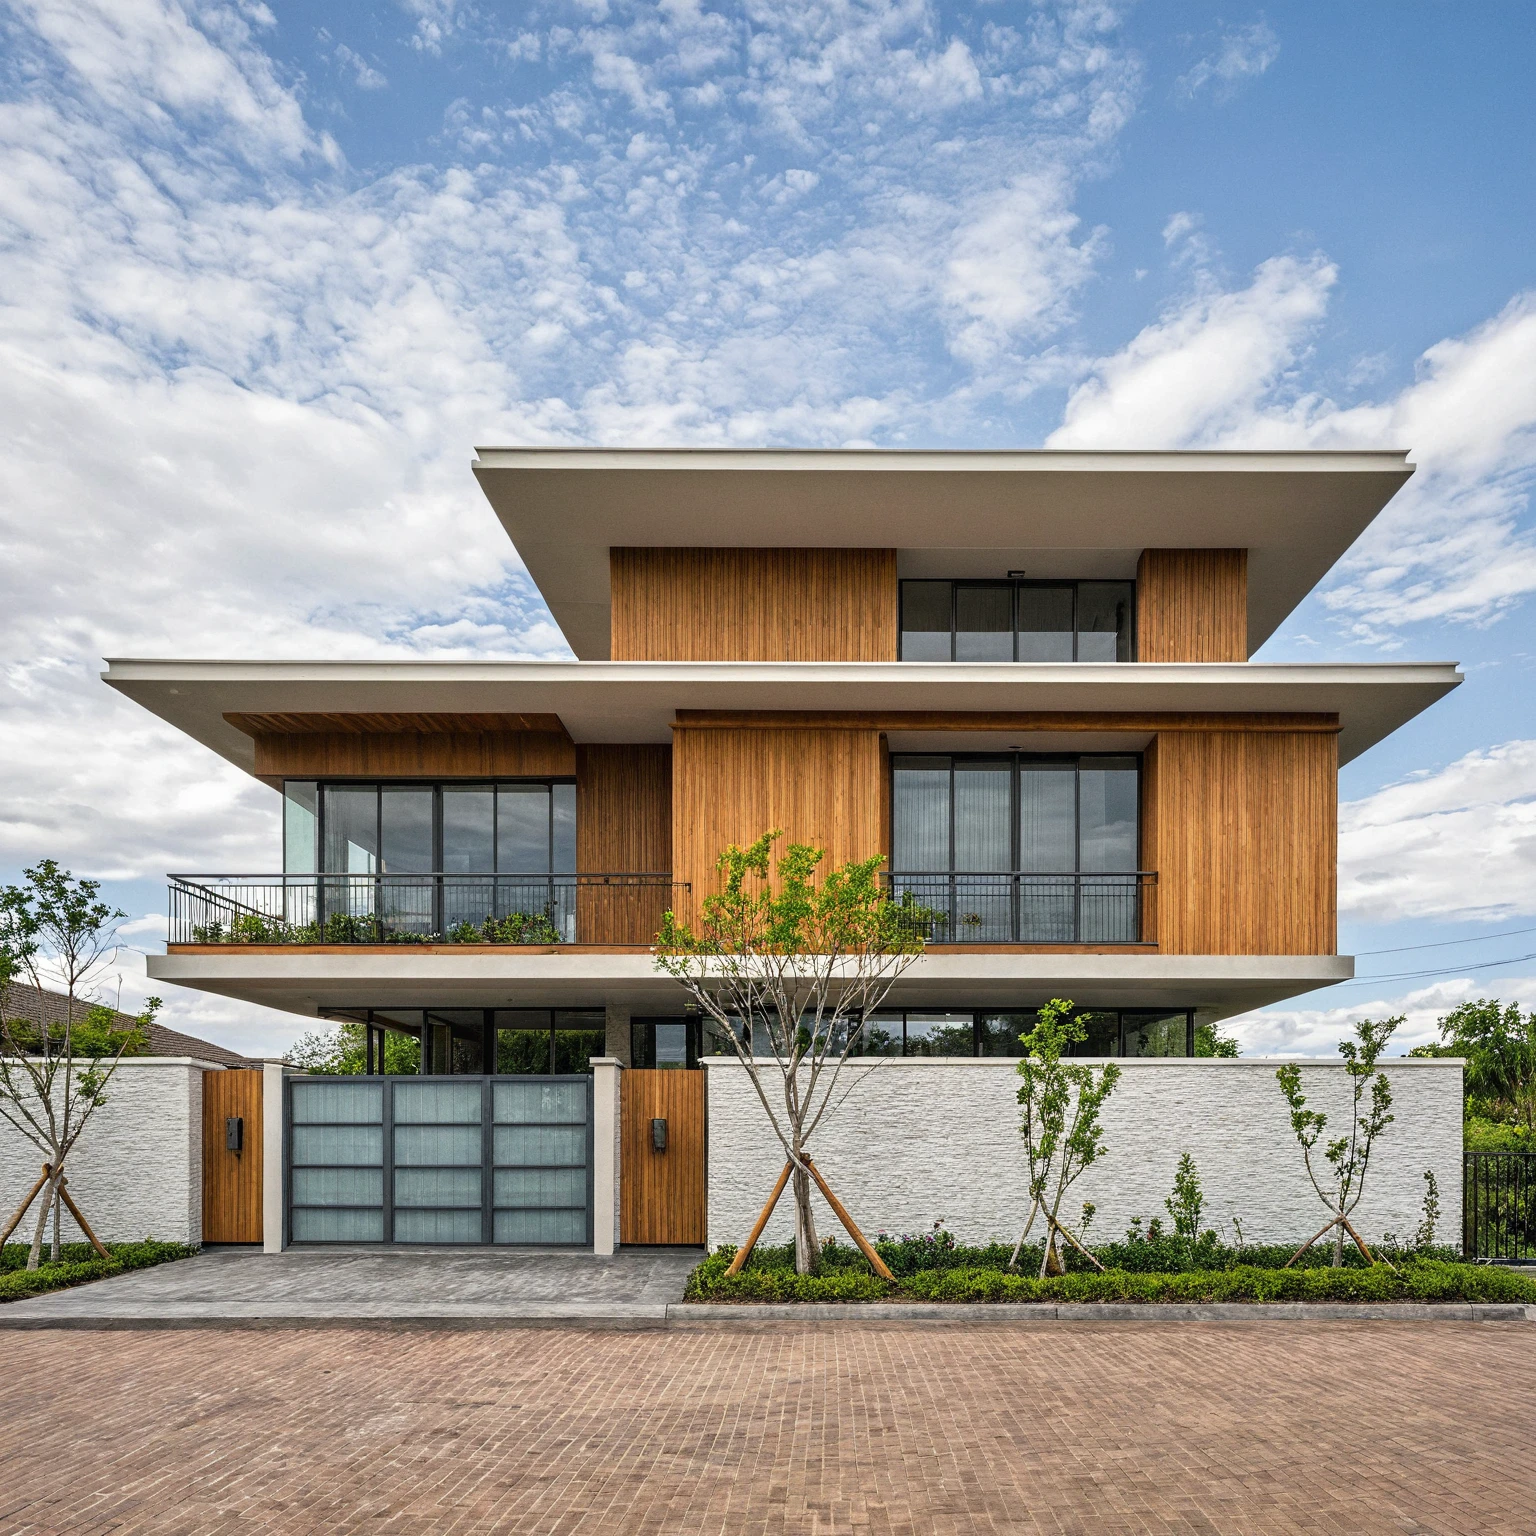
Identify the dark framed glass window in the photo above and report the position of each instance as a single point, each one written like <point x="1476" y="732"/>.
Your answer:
<point x="997" y="1033"/>
<point x="671" y="1043"/>
<point x="1018" y="621"/>
<point x="520" y="826"/>
<point x="1016" y="848"/>
<point x="454" y="1041"/>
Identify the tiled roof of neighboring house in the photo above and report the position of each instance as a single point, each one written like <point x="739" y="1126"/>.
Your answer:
<point x="21" y="1001"/>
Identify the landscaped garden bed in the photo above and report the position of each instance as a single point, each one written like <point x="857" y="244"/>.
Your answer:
<point x="79" y="1263"/>
<point x="929" y="1270"/>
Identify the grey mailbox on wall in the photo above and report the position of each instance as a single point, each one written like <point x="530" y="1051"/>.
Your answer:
<point x="658" y="1135"/>
<point x="234" y="1133"/>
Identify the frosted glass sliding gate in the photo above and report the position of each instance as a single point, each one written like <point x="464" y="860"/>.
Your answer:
<point x="439" y="1160"/>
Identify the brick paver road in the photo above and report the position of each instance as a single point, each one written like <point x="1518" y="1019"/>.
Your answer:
<point x="1249" y="1427"/>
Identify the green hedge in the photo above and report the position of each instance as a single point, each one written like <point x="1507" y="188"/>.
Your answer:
<point x="78" y="1263"/>
<point x="1416" y="1280"/>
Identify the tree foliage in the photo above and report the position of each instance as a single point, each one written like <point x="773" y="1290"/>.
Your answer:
<point x="1500" y="1048"/>
<point x="787" y="962"/>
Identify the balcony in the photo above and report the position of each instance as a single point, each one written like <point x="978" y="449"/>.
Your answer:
<point x="602" y="910"/>
<point x="1015" y="907"/>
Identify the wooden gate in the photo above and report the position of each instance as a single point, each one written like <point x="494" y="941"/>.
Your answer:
<point x="232" y="1178"/>
<point x="662" y="1190"/>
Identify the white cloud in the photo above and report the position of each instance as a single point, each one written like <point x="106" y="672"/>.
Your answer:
<point x="1317" y="1031"/>
<point x="1243" y="53"/>
<point x="1460" y="842"/>
<point x="1203" y="371"/>
<point x="364" y="75"/>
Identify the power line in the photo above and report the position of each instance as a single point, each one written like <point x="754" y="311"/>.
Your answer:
<point x="1454" y="970"/>
<point x="1403" y="949"/>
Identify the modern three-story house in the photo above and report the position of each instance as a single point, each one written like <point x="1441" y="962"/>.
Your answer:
<point x="1023" y="679"/>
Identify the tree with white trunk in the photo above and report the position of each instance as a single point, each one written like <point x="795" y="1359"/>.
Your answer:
<point x="789" y="967"/>
<point x="56" y="933"/>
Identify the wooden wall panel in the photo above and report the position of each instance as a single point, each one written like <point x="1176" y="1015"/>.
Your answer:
<point x="662" y="1194"/>
<point x="1242" y="829"/>
<point x="232" y="1183"/>
<point x="730" y="786"/>
<point x="415" y="754"/>
<point x="753" y="604"/>
<point x="623" y="826"/>
<point x="1192" y="605"/>
<point x="623" y="809"/>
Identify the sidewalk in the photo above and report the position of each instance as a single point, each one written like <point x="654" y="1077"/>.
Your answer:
<point x="459" y="1288"/>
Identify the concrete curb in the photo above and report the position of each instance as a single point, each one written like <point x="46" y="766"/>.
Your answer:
<point x="33" y="1315"/>
<point x="1025" y="1313"/>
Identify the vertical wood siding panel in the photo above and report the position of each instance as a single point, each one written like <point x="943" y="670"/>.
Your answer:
<point x="1244" y="827"/>
<point x="1192" y="605"/>
<point x="753" y="604"/>
<point x="731" y="786"/>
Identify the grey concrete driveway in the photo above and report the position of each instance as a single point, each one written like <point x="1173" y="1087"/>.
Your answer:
<point x="370" y="1287"/>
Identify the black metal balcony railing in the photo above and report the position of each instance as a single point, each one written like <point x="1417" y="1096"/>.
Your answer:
<point x="1023" y="908"/>
<point x="605" y="909"/>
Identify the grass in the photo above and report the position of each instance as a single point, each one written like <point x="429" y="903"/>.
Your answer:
<point x="78" y="1264"/>
<point x="1211" y="1273"/>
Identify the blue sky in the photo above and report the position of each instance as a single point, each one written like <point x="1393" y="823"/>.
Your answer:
<point x="268" y="273"/>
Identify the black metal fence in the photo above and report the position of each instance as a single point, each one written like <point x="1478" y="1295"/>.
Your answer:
<point x="1498" y="1205"/>
<point x="1018" y="908"/>
<point x="618" y="909"/>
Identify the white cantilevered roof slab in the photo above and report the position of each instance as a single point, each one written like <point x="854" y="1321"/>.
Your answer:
<point x="636" y="701"/>
<point x="960" y="514"/>
<point x="307" y="981"/>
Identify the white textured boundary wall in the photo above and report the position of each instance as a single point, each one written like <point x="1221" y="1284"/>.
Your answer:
<point x="920" y="1139"/>
<point x="137" y="1171"/>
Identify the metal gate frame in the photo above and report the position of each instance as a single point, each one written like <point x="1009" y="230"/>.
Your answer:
<point x="488" y="1165"/>
<point x="1498" y="1206"/>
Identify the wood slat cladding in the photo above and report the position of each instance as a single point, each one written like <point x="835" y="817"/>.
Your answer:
<point x="1242" y="829"/>
<point x="305" y="724"/>
<point x="1062" y="720"/>
<point x="730" y="786"/>
<point x="662" y="1194"/>
<point x="232" y="1182"/>
<point x="1192" y="605"/>
<point x="415" y="755"/>
<point x="753" y="604"/>
<point x="623" y="809"/>
<point x="623" y="826"/>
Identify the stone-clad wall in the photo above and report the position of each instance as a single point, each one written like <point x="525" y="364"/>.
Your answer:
<point x="919" y="1139"/>
<point x="137" y="1171"/>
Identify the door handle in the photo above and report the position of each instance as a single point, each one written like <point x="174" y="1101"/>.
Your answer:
<point x="659" y="1135"/>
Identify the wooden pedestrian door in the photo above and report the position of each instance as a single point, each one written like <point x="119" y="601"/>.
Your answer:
<point x="232" y="1156"/>
<point x="661" y="1170"/>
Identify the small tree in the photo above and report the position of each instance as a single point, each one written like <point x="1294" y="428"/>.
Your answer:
<point x="1060" y="1125"/>
<point x="1186" y="1204"/>
<point x="343" y="1051"/>
<point x="1350" y="1156"/>
<point x="789" y="971"/>
<point x="54" y="1073"/>
<point x="1209" y="1041"/>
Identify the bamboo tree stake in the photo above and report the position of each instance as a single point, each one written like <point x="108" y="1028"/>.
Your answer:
<point x="21" y="1210"/>
<point x="745" y="1251"/>
<point x="876" y="1263"/>
<point x="80" y="1221"/>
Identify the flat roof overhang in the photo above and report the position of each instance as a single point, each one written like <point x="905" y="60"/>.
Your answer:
<point x="1053" y="513"/>
<point x="637" y="701"/>
<point x="310" y="983"/>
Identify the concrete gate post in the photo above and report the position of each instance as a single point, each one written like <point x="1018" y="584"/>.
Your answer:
<point x="606" y="1071"/>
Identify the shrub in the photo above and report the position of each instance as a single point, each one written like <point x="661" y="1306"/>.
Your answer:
<point x="79" y="1263"/>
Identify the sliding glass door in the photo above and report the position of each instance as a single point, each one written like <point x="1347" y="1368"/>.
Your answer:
<point x="1019" y="849"/>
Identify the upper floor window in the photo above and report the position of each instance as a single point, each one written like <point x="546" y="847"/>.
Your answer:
<point x="1018" y="620"/>
<point x="517" y="827"/>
